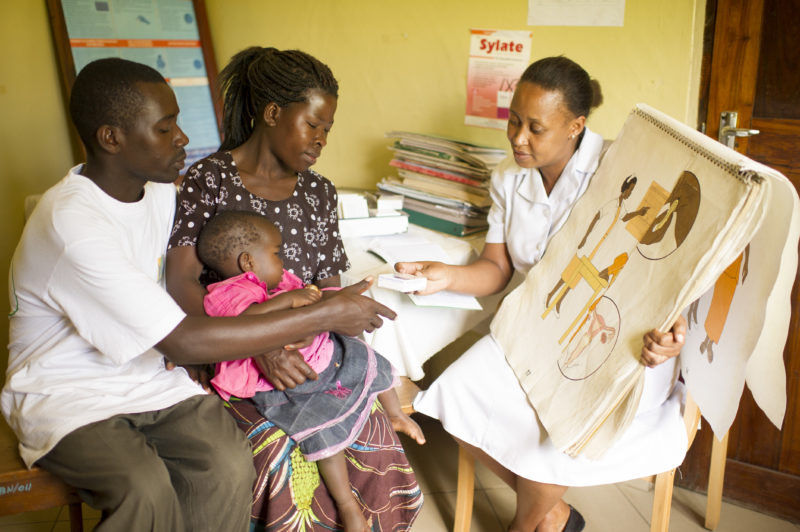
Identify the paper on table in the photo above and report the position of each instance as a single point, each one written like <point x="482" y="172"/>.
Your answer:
<point x="406" y="248"/>
<point x="446" y="299"/>
<point x="410" y="248"/>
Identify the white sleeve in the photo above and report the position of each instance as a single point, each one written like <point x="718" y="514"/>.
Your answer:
<point x="497" y="213"/>
<point x="112" y="302"/>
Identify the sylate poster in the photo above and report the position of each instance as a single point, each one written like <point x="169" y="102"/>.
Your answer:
<point x="497" y="58"/>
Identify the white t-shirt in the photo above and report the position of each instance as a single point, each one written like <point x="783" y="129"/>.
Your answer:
<point x="87" y="306"/>
<point x="521" y="207"/>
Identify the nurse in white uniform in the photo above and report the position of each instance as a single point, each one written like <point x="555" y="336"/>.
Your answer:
<point x="478" y="398"/>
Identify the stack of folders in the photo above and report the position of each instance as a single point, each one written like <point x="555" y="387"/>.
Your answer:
<point x="444" y="182"/>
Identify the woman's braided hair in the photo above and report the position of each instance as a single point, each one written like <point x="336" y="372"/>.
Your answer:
<point x="258" y="76"/>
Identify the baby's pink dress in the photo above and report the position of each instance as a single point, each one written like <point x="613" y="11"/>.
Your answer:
<point x="242" y="378"/>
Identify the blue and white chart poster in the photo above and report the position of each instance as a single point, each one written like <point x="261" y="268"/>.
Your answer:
<point x="162" y="34"/>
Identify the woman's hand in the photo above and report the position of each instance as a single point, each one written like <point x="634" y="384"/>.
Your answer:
<point x="437" y="273"/>
<point x="285" y="369"/>
<point x="659" y="347"/>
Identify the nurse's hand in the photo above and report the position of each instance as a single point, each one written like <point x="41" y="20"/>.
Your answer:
<point x="437" y="274"/>
<point x="659" y="347"/>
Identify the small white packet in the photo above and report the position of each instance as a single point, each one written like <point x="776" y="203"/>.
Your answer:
<point x="402" y="282"/>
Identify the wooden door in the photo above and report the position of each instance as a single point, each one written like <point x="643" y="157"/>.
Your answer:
<point x="755" y="71"/>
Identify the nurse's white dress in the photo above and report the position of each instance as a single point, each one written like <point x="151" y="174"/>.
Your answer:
<point x="478" y="398"/>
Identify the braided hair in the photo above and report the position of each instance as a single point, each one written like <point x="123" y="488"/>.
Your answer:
<point x="258" y="76"/>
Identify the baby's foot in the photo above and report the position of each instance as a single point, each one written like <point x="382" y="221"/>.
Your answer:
<point x="352" y="518"/>
<point x="403" y="423"/>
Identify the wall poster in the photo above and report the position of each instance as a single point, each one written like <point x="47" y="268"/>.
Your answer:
<point x="169" y="35"/>
<point x="497" y="59"/>
<point x="576" y="12"/>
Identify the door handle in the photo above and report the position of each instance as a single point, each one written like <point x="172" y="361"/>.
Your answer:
<point x="728" y="130"/>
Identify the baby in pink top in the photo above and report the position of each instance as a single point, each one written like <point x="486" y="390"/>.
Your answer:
<point x="235" y="295"/>
<point x="323" y="415"/>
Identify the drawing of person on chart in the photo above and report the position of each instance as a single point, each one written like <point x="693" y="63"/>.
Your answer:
<point x="721" y="301"/>
<point x="582" y="267"/>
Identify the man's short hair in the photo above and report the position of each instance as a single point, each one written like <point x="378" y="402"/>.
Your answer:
<point x="105" y="93"/>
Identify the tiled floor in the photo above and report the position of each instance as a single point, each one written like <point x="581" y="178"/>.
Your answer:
<point x="622" y="507"/>
<point x="615" y="508"/>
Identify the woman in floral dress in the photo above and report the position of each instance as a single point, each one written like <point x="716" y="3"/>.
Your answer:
<point x="278" y="110"/>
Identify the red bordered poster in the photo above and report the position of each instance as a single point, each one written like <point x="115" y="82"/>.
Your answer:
<point x="497" y="58"/>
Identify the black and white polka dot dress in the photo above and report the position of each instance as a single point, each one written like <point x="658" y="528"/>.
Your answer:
<point x="312" y="247"/>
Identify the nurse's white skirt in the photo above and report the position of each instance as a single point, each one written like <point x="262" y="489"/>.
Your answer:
<point x="479" y="400"/>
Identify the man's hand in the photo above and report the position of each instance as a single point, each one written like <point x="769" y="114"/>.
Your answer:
<point x="199" y="373"/>
<point x="659" y="347"/>
<point x="353" y="313"/>
<point x="300" y="344"/>
<point x="284" y="368"/>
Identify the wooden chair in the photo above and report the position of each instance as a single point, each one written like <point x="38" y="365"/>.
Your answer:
<point x="26" y="490"/>
<point x="716" y="477"/>
<point x="662" y="499"/>
<point x="406" y="391"/>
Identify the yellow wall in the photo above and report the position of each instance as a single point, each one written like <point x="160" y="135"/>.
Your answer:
<point x="35" y="149"/>
<point x="400" y="65"/>
<point x="403" y="64"/>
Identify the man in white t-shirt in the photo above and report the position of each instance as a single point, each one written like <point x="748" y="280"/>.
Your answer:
<point x="88" y="392"/>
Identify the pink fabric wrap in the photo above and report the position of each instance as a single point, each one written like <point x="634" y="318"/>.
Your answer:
<point x="231" y="297"/>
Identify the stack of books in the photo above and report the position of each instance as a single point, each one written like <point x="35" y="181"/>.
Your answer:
<point x="444" y="182"/>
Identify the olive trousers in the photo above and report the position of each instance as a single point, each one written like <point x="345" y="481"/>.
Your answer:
<point x="187" y="467"/>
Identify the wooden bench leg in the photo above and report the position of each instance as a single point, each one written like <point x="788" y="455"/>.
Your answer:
<point x="716" y="477"/>
<point x="75" y="517"/>
<point x="465" y="491"/>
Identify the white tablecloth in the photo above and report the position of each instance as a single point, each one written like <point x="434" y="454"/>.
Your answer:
<point x="418" y="332"/>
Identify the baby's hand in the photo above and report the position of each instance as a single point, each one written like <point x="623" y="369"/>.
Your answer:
<point x="297" y="298"/>
<point x="308" y="295"/>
